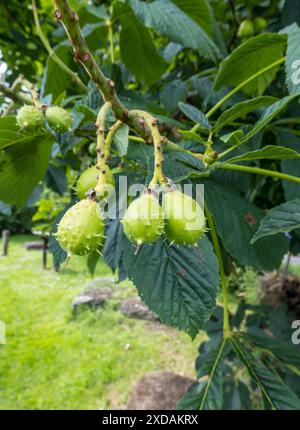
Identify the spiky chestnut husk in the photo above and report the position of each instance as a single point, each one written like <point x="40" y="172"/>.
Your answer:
<point x="30" y="117"/>
<point x="81" y="229"/>
<point x="185" y="220"/>
<point x="144" y="221"/>
<point x="89" y="178"/>
<point x="59" y="119"/>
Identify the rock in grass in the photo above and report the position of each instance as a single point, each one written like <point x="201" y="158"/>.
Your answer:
<point x="135" y="308"/>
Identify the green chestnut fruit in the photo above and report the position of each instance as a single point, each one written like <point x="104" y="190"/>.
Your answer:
<point x="185" y="220"/>
<point x="246" y="28"/>
<point x="144" y="221"/>
<point x="30" y="118"/>
<point x="81" y="229"/>
<point x="59" y="119"/>
<point x="260" y="24"/>
<point x="89" y="178"/>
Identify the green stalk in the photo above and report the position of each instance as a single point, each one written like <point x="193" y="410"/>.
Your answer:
<point x="238" y="87"/>
<point x="259" y="171"/>
<point x="224" y="281"/>
<point x="100" y="148"/>
<point x="151" y="122"/>
<point x="111" y="41"/>
<point x="15" y="95"/>
<point x="109" y="137"/>
<point x="74" y="76"/>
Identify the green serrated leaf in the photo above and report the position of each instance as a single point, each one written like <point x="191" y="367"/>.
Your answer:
<point x="22" y="166"/>
<point x="92" y="260"/>
<point x="287" y="354"/>
<point x="237" y="221"/>
<point x="276" y="394"/>
<point x="241" y="109"/>
<point x="172" y="93"/>
<point x="281" y="219"/>
<point x="120" y="139"/>
<point x="199" y="11"/>
<point x="232" y="138"/>
<point x="56" y="80"/>
<point x="167" y="19"/>
<point x="59" y="254"/>
<point x="207" y="394"/>
<point x="269" y="114"/>
<point x="269" y="152"/>
<point x="291" y="167"/>
<point x="292" y="63"/>
<point x="194" y="114"/>
<point x="249" y="58"/>
<point x="138" y="51"/>
<point x="11" y="133"/>
<point x="177" y="165"/>
<point x="112" y="250"/>
<point x="179" y="284"/>
<point x="192" y="135"/>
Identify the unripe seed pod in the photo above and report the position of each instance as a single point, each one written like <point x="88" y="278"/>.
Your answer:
<point x="81" y="229"/>
<point x="92" y="148"/>
<point x="185" y="220"/>
<point x="144" y="221"/>
<point x="259" y="24"/>
<point x="30" y="117"/>
<point x="246" y="28"/>
<point x="89" y="178"/>
<point x="59" y="119"/>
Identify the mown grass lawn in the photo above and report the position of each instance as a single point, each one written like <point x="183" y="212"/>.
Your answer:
<point x="55" y="359"/>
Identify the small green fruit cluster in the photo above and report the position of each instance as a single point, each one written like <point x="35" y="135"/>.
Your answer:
<point x="248" y="27"/>
<point x="89" y="179"/>
<point x="180" y="218"/>
<point x="81" y="229"/>
<point x="32" y="118"/>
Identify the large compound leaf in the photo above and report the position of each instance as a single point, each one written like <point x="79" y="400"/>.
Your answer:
<point x="207" y="394"/>
<point x="22" y="166"/>
<point x="276" y="394"/>
<point x="237" y="221"/>
<point x="249" y="58"/>
<point x="281" y="219"/>
<point x="168" y="20"/>
<point x="179" y="284"/>
<point x="241" y="109"/>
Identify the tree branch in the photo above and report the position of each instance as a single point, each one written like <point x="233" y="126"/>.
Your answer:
<point x="74" y="76"/>
<point x="70" y="19"/>
<point x="15" y="95"/>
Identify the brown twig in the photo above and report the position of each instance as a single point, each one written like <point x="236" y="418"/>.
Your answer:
<point x="70" y="20"/>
